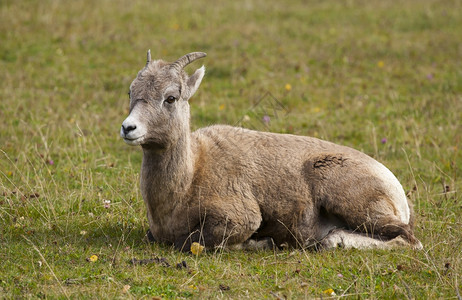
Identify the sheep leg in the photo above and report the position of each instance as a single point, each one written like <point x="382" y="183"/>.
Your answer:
<point x="254" y="244"/>
<point x="341" y="238"/>
<point x="372" y="228"/>
<point x="217" y="232"/>
<point x="377" y="226"/>
<point x="363" y="194"/>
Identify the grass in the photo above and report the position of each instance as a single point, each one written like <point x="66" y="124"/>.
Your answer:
<point x="380" y="76"/>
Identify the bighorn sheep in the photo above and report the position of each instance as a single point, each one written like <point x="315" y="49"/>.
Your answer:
<point x="230" y="186"/>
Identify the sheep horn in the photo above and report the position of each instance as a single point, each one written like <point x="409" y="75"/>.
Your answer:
<point x="148" y="60"/>
<point x="186" y="59"/>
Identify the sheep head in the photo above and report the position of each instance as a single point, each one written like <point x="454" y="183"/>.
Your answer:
<point x="159" y="108"/>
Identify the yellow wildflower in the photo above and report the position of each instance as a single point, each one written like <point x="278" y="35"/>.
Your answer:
<point x="196" y="248"/>
<point x="93" y="258"/>
<point x="329" y="292"/>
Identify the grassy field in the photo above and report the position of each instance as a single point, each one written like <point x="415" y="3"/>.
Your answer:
<point x="384" y="77"/>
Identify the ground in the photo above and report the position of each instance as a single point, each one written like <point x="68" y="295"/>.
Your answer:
<point x="380" y="76"/>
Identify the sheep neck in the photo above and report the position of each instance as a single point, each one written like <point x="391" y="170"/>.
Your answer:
<point x="166" y="175"/>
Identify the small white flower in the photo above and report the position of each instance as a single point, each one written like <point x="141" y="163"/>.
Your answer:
<point x="107" y="203"/>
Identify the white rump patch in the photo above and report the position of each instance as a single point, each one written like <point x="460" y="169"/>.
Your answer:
<point x="395" y="191"/>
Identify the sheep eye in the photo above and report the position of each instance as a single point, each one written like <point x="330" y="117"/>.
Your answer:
<point x="170" y="99"/>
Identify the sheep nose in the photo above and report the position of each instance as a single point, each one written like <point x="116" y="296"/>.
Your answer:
<point x="128" y="128"/>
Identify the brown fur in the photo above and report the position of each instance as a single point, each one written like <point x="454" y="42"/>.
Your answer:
<point x="224" y="185"/>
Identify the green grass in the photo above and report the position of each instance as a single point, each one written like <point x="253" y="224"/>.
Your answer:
<point x="359" y="71"/>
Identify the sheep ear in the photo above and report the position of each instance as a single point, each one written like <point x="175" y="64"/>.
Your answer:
<point x="195" y="80"/>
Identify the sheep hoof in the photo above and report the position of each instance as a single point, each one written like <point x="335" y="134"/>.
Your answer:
<point x="266" y="243"/>
<point x="150" y="237"/>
